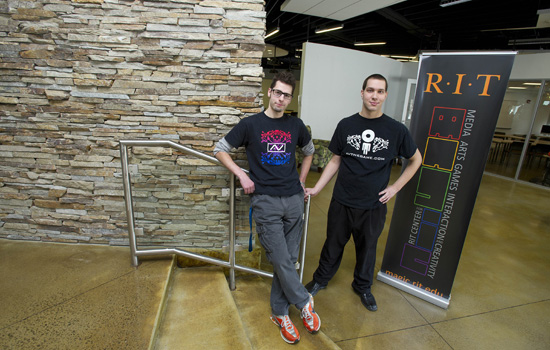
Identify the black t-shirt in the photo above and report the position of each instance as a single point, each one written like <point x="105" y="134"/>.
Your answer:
<point x="368" y="148"/>
<point x="271" y="151"/>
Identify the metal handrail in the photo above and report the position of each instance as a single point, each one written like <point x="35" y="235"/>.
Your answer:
<point x="135" y="252"/>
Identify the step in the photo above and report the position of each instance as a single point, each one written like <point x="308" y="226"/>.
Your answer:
<point x="252" y="299"/>
<point x="200" y="313"/>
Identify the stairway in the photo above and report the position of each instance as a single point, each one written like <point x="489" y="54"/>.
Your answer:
<point x="200" y="312"/>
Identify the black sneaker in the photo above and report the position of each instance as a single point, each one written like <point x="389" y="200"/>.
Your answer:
<point x="367" y="299"/>
<point x="314" y="287"/>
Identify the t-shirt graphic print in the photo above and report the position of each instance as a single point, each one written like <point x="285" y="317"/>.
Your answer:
<point x="367" y="142"/>
<point x="276" y="141"/>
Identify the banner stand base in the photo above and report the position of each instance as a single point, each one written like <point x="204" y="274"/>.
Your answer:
<point x="413" y="290"/>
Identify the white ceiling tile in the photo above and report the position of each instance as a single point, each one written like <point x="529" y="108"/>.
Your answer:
<point x="299" y="6"/>
<point x="335" y="9"/>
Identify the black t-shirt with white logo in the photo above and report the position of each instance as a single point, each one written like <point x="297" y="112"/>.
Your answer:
<point x="271" y="151"/>
<point x="368" y="148"/>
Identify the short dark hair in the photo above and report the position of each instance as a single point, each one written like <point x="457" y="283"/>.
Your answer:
<point x="286" y="77"/>
<point x="377" y="77"/>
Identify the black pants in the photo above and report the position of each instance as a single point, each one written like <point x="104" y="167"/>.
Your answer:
<point x="366" y="227"/>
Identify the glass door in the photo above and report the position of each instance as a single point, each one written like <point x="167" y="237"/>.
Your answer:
<point x="512" y="136"/>
<point x="535" y="163"/>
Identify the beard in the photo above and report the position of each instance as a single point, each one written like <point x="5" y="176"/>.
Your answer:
<point x="276" y="108"/>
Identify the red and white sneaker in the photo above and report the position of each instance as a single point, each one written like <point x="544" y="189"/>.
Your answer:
<point x="311" y="320"/>
<point x="289" y="333"/>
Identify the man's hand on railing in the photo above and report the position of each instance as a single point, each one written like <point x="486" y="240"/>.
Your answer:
<point x="247" y="184"/>
<point x="312" y="192"/>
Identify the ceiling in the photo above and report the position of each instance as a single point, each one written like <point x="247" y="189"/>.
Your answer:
<point x="408" y="27"/>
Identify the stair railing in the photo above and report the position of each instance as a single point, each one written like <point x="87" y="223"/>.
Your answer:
<point x="136" y="253"/>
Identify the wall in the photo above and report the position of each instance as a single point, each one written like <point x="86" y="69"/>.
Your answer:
<point x="77" y="76"/>
<point x="517" y="112"/>
<point x="332" y="79"/>
<point x="531" y="66"/>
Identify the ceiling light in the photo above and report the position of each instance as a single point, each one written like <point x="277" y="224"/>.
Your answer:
<point x="271" y="33"/>
<point x="517" y="87"/>
<point x="328" y="29"/>
<point x="536" y="41"/>
<point x="534" y="84"/>
<point x="403" y="57"/>
<point x="370" y="44"/>
<point x="445" y="3"/>
<point x="274" y="51"/>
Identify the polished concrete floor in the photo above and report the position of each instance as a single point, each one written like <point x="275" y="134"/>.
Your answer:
<point x="62" y="296"/>
<point x="500" y="296"/>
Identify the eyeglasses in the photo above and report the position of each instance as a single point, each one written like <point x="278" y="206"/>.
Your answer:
<point x="278" y="93"/>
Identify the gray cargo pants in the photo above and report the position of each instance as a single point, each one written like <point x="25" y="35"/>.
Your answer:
<point x="279" y="222"/>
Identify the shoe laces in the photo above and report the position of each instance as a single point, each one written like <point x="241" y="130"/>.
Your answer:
<point x="307" y="312"/>
<point x="288" y="325"/>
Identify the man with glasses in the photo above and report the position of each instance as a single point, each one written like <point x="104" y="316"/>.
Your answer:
<point x="277" y="197"/>
<point x="364" y="147"/>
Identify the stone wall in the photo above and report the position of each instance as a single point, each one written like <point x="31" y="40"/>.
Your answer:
<point x="77" y="76"/>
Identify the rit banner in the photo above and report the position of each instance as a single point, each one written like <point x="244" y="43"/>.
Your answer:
<point x="456" y="107"/>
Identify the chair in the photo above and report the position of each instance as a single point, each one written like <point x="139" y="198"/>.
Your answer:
<point x="322" y="154"/>
<point x="538" y="149"/>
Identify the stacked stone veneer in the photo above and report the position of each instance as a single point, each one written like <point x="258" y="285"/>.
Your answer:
<point x="78" y="76"/>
